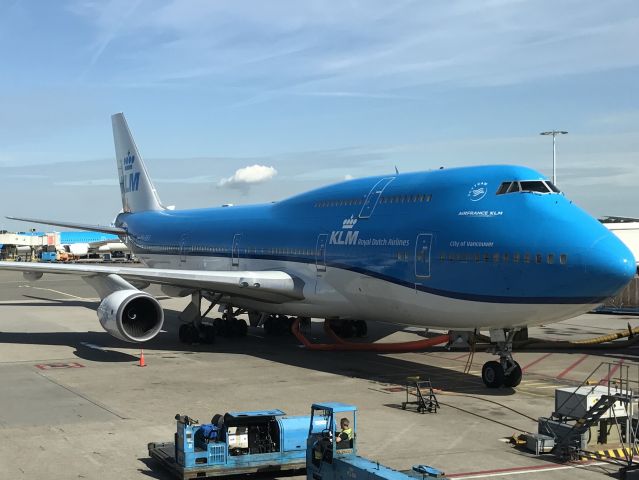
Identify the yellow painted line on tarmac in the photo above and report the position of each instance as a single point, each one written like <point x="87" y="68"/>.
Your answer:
<point x="57" y="291"/>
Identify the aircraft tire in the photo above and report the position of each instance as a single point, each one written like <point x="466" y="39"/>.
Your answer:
<point x="268" y="325"/>
<point x="182" y="332"/>
<point x="217" y="324"/>
<point x="513" y="378"/>
<point x="492" y="374"/>
<point x="361" y="327"/>
<point x="242" y="328"/>
<point x="208" y="334"/>
<point x="227" y="328"/>
<point x="188" y="334"/>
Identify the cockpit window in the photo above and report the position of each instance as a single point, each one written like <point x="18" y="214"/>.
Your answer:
<point x="514" y="187"/>
<point x="534" y="186"/>
<point x="503" y="188"/>
<point x="537" y="186"/>
<point x="552" y="186"/>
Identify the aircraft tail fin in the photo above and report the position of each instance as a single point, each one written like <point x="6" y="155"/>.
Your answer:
<point x="138" y="192"/>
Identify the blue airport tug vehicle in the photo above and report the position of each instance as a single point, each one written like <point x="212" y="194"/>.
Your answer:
<point x="331" y="454"/>
<point x="235" y="443"/>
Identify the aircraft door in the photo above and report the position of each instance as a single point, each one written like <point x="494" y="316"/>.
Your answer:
<point x="235" y="251"/>
<point x="320" y="252"/>
<point x="184" y="248"/>
<point x="373" y="197"/>
<point x="422" y="256"/>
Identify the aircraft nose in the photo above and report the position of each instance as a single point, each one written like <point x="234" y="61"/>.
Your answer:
<point x="610" y="264"/>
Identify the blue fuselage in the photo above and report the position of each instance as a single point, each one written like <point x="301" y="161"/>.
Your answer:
<point x="441" y="248"/>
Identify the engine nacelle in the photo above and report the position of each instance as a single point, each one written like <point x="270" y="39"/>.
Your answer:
<point x="131" y="315"/>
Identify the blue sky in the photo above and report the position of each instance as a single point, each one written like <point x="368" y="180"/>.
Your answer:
<point x="317" y="90"/>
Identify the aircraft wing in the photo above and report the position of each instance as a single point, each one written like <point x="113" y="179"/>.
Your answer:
<point x="273" y="286"/>
<point x="79" y="226"/>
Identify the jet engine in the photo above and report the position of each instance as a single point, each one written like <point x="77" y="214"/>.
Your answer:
<point x="131" y="315"/>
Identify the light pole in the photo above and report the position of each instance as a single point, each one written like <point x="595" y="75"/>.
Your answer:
<point x="554" y="133"/>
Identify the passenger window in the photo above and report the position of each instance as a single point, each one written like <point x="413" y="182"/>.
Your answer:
<point x="526" y="257"/>
<point x="496" y="257"/>
<point x="505" y="258"/>
<point x="538" y="258"/>
<point x="486" y="258"/>
<point x="503" y="188"/>
<point x="550" y="259"/>
<point x="478" y="257"/>
<point x="442" y="257"/>
<point x="563" y="259"/>
<point x="450" y="257"/>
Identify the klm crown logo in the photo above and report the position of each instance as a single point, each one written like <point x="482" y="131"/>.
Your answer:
<point x="128" y="161"/>
<point x="349" y="223"/>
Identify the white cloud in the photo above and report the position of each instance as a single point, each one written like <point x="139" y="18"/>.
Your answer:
<point x="243" y="177"/>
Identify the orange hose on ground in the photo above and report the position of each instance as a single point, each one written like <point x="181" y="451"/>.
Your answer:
<point x="343" y="346"/>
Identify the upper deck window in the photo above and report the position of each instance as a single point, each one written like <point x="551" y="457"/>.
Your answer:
<point x="536" y="186"/>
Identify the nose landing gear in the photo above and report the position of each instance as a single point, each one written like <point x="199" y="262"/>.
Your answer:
<point x="506" y="372"/>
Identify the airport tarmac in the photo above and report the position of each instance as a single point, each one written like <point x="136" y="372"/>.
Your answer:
<point x="75" y="404"/>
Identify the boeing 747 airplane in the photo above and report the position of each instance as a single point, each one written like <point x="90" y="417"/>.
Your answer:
<point x="494" y="248"/>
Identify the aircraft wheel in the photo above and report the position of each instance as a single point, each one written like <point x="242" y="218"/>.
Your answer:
<point x="347" y="329"/>
<point x="242" y="328"/>
<point x="182" y="332"/>
<point x="361" y="328"/>
<point x="227" y="328"/>
<point x="188" y="334"/>
<point x="492" y="374"/>
<point x="269" y="325"/>
<point x="208" y="334"/>
<point x="218" y="325"/>
<point x="514" y="377"/>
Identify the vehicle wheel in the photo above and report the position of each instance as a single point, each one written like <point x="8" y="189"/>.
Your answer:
<point x="514" y="377"/>
<point x="492" y="374"/>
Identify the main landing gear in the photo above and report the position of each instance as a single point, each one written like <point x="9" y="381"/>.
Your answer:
<point x="197" y="329"/>
<point x="506" y="372"/>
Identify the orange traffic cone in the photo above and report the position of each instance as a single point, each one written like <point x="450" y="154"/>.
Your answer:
<point x="142" y="362"/>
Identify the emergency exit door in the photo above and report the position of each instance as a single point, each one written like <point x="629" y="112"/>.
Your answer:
<point x="184" y="247"/>
<point x="320" y="252"/>
<point x="422" y="255"/>
<point x="373" y="197"/>
<point x="235" y="251"/>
